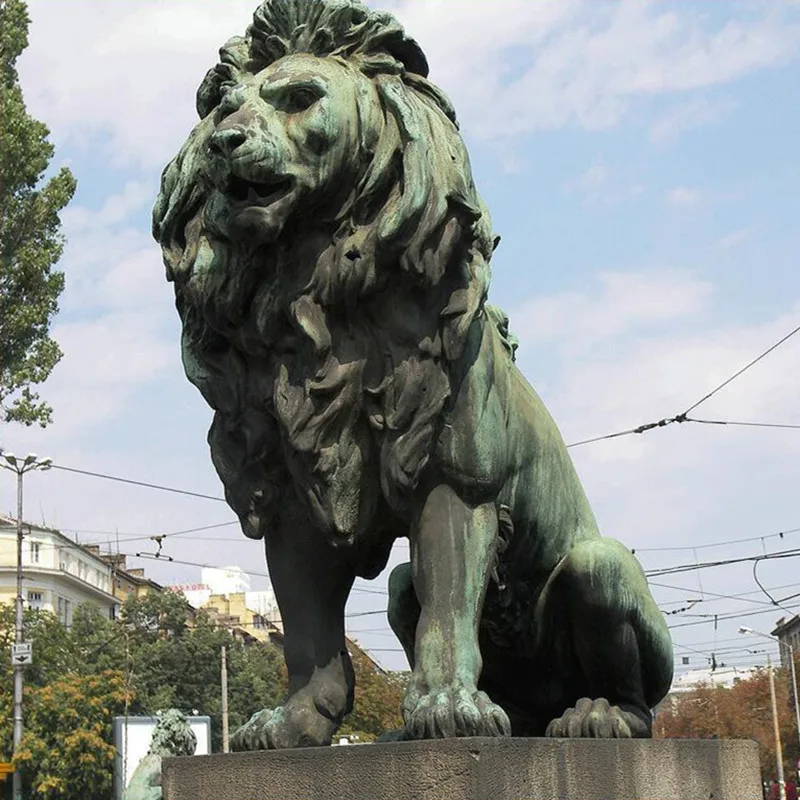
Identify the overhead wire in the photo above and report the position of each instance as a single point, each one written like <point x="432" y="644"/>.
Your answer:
<point x="684" y="416"/>
<point x="674" y="570"/>
<point x="138" y="537"/>
<point x="744" y="424"/>
<point x="679" y="418"/>
<point x="722" y="617"/>
<point x="133" y="482"/>
<point x="741" y="371"/>
<point x="715" y="597"/>
<point x="779" y="534"/>
<point x="172" y="560"/>
<point x="772" y="600"/>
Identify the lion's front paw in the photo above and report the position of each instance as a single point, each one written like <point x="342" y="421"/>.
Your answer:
<point x="254" y="734"/>
<point x="297" y="724"/>
<point x="454" y="712"/>
<point x="596" y="719"/>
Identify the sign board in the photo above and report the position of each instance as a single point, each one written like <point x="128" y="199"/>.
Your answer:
<point x="132" y="737"/>
<point x="21" y="654"/>
<point x="6" y="768"/>
<point x="188" y="587"/>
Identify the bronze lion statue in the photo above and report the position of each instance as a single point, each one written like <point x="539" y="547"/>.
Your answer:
<point x="330" y="257"/>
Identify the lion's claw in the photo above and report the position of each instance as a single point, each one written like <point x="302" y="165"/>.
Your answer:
<point x="297" y="724"/>
<point x="254" y="734"/>
<point x="455" y="712"/>
<point x="595" y="719"/>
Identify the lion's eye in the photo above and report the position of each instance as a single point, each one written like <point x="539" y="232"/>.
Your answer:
<point x="299" y="99"/>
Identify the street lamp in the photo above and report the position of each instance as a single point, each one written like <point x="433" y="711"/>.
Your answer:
<point x="20" y="466"/>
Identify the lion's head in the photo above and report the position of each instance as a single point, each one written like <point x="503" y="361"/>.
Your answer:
<point x="329" y="253"/>
<point x="173" y="735"/>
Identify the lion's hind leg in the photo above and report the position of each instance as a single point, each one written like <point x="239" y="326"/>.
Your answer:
<point x="612" y="639"/>
<point x="404" y="608"/>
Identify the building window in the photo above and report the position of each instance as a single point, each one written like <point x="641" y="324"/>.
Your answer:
<point x="63" y="611"/>
<point x="34" y="552"/>
<point x="35" y="600"/>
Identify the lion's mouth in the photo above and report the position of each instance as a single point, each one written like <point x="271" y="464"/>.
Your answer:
<point x="257" y="194"/>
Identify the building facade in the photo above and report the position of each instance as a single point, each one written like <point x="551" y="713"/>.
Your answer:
<point x="788" y="633"/>
<point x="225" y="594"/>
<point x="126" y="582"/>
<point x="58" y="574"/>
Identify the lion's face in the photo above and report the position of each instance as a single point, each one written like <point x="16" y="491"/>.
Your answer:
<point x="286" y="140"/>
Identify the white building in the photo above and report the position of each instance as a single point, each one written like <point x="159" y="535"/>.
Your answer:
<point x="58" y="574"/>
<point x="725" y="677"/>
<point x="788" y="632"/>
<point x="226" y="590"/>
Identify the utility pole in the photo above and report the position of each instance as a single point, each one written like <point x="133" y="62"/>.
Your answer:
<point x="18" y="639"/>
<point x="20" y="466"/>
<point x="778" y="748"/>
<point x="224" y="682"/>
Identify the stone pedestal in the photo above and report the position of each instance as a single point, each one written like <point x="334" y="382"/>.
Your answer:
<point x="477" y="769"/>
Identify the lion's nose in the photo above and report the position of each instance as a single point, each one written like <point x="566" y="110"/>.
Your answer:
<point x="225" y="140"/>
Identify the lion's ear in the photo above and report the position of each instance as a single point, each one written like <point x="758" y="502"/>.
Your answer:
<point x="233" y="61"/>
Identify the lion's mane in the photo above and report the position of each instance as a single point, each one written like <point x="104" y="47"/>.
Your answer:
<point x="347" y="414"/>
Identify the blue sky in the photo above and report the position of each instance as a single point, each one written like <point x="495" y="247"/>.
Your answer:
<point x="640" y="163"/>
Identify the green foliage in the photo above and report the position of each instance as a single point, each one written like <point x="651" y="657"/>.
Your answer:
<point x="30" y="236"/>
<point x="743" y="711"/>
<point x="66" y="751"/>
<point x="378" y="700"/>
<point x="160" y="654"/>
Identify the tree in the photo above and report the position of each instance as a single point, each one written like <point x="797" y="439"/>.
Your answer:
<point x="66" y="751"/>
<point x="378" y="699"/>
<point x="159" y="654"/>
<point x="30" y="236"/>
<point x="743" y="711"/>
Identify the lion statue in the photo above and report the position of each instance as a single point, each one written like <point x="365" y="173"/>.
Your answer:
<point x="330" y="259"/>
<point x="172" y="736"/>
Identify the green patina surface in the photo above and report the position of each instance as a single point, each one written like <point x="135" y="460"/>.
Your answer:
<point x="172" y="736"/>
<point x="330" y="258"/>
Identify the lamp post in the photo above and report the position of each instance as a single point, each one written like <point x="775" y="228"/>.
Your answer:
<point x="20" y="466"/>
<point x="791" y="662"/>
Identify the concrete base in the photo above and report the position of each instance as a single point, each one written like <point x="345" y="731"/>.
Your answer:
<point x="477" y="769"/>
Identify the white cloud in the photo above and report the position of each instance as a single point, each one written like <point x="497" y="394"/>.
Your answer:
<point x="105" y="361"/>
<point x="535" y="66"/>
<point x="624" y="303"/>
<point x="129" y="74"/>
<point x="684" y="197"/>
<point x="116" y="208"/>
<point x="591" y="182"/>
<point x="601" y="184"/>
<point x="118" y="328"/>
<point x="588" y="64"/>
<point x="632" y="348"/>
<point x="687" y="116"/>
<point x="734" y="238"/>
<point x="682" y="483"/>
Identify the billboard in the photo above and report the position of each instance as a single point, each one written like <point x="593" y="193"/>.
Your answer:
<point x="132" y="737"/>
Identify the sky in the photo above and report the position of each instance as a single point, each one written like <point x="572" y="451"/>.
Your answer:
<point x="640" y="162"/>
